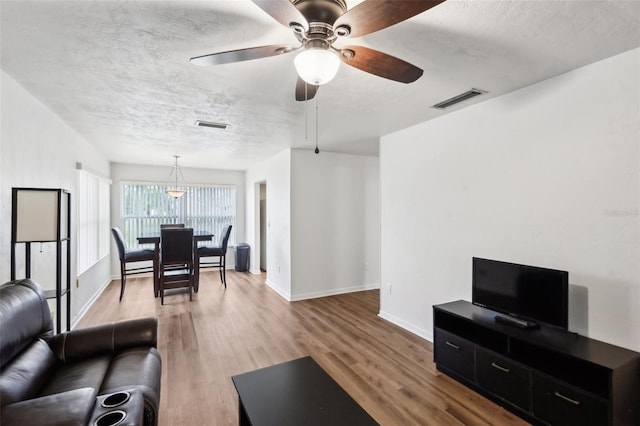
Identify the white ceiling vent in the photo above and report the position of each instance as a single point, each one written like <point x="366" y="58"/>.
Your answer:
<point x="201" y="123"/>
<point x="459" y="98"/>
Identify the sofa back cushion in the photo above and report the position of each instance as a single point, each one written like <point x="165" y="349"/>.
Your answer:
<point x="104" y="339"/>
<point x="24" y="318"/>
<point x="23" y="376"/>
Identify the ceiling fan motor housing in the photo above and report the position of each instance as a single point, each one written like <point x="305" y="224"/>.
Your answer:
<point x="326" y="11"/>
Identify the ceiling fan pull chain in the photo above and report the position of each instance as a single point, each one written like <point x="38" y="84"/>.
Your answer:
<point x="306" y="115"/>
<point x="306" y="112"/>
<point x="317" y="151"/>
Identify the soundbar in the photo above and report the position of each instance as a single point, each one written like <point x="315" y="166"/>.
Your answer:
<point x="516" y="322"/>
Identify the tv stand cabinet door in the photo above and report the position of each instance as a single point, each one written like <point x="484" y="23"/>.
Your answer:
<point x="504" y="378"/>
<point x="454" y="353"/>
<point x="560" y="404"/>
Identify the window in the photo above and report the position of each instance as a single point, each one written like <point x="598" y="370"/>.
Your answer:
<point x="93" y="219"/>
<point x="146" y="206"/>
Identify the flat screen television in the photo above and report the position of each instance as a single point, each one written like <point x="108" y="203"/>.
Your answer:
<point x="530" y="293"/>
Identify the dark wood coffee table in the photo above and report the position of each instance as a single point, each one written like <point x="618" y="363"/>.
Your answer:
<point x="297" y="392"/>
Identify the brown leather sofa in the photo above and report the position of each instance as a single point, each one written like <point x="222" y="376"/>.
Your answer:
<point x="63" y="379"/>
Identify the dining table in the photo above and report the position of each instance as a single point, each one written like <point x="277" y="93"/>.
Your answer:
<point x="154" y="238"/>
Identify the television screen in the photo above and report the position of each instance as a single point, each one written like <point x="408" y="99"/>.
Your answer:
<point x="527" y="292"/>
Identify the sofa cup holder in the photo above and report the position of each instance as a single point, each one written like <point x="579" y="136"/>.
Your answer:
<point x="111" y="418"/>
<point x="116" y="399"/>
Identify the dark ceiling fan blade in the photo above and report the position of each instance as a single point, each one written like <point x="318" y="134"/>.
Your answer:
<point x="304" y="90"/>
<point x="380" y="64"/>
<point x="242" y="55"/>
<point x="283" y="11"/>
<point x="373" y="15"/>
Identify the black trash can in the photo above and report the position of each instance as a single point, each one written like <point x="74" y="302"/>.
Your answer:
<point x="242" y="257"/>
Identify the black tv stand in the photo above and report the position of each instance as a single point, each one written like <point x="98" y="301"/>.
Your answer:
<point x="517" y="322"/>
<point x="544" y="375"/>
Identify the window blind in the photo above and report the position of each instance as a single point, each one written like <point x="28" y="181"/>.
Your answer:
<point x="146" y="206"/>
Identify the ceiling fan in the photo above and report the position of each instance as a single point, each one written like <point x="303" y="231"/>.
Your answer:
<point x="317" y="24"/>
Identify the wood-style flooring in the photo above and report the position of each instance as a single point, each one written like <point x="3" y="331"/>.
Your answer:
<point x="221" y="333"/>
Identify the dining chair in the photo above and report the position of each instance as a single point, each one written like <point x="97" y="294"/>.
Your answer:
<point x="219" y="255"/>
<point x="128" y="256"/>
<point x="171" y="225"/>
<point x="176" y="260"/>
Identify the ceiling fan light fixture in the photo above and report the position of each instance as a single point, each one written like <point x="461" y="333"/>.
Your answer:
<point x="317" y="66"/>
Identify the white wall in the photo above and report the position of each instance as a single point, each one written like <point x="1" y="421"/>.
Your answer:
<point x="547" y="176"/>
<point x="335" y="223"/>
<point x="276" y="173"/>
<point x="322" y="222"/>
<point x="38" y="149"/>
<point x="157" y="174"/>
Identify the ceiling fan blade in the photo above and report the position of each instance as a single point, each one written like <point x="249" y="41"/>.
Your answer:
<point x="242" y="55"/>
<point x="283" y="11"/>
<point x="373" y="15"/>
<point x="304" y="90"/>
<point x="380" y="64"/>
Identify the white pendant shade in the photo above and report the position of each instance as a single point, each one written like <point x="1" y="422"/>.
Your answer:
<point x="176" y="193"/>
<point x="176" y="190"/>
<point x="317" y="66"/>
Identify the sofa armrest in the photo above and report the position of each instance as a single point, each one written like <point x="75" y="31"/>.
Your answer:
<point x="103" y="339"/>
<point x="67" y="408"/>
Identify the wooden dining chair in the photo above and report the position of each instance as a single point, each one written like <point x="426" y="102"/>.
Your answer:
<point x="128" y="256"/>
<point x="176" y="260"/>
<point x="171" y="225"/>
<point x="214" y="257"/>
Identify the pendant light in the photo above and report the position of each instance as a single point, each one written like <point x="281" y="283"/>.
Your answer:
<point x="173" y="189"/>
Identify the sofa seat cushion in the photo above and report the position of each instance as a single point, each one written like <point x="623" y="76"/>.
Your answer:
<point x="68" y="408"/>
<point x="25" y="374"/>
<point x="88" y="373"/>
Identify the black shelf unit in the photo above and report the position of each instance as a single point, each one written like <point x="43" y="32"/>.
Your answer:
<point x="43" y="215"/>
<point x="545" y="375"/>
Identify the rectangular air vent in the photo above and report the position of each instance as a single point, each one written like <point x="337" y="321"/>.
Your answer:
<point x="201" y="123"/>
<point x="459" y="98"/>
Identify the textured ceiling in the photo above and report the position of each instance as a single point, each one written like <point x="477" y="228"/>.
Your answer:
<point x="119" y="73"/>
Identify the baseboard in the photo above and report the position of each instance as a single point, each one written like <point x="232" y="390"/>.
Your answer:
<point x="418" y="331"/>
<point x="284" y="295"/>
<point x="334" y="292"/>
<point x="76" y="319"/>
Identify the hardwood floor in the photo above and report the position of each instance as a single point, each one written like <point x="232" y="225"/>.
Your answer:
<point x="221" y="333"/>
